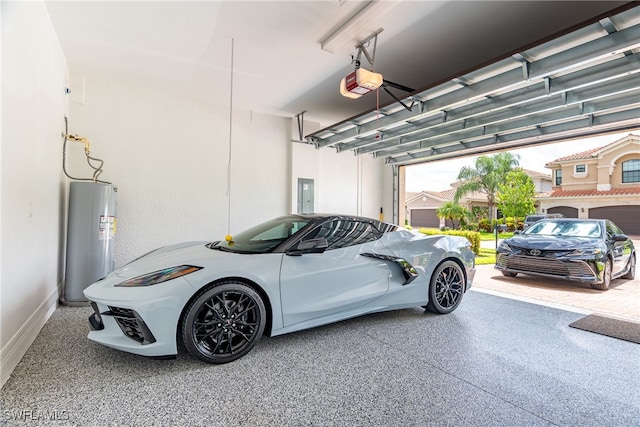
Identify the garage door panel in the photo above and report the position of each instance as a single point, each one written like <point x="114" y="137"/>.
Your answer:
<point x="567" y="211"/>
<point x="625" y="217"/>
<point x="424" y="218"/>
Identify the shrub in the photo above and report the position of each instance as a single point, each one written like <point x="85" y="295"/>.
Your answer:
<point x="472" y="226"/>
<point x="472" y="236"/>
<point x="484" y="225"/>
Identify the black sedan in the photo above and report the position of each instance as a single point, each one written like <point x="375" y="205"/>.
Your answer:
<point x="592" y="251"/>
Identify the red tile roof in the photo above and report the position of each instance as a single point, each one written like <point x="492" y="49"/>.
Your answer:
<point x="535" y="174"/>
<point x="585" y="155"/>
<point x="626" y="191"/>
<point x="448" y="194"/>
<point x="579" y="156"/>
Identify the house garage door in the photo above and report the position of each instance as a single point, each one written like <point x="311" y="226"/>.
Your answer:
<point x="625" y="217"/>
<point x="424" y="218"/>
<point x="567" y="211"/>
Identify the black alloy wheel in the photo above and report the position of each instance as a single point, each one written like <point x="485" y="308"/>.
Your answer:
<point x="224" y="323"/>
<point x="446" y="288"/>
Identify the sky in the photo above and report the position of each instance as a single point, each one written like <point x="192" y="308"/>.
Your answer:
<point x="437" y="176"/>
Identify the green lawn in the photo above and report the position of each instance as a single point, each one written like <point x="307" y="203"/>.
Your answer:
<point x="491" y="236"/>
<point x="486" y="256"/>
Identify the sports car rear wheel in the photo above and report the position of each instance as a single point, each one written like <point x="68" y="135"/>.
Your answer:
<point x="446" y="288"/>
<point x="224" y="323"/>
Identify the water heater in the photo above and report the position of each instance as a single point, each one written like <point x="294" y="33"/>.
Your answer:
<point x="90" y="237"/>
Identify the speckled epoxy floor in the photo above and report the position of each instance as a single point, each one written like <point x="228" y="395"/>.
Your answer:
<point x="493" y="362"/>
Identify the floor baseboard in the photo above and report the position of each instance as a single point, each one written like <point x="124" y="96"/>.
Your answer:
<point x="15" y="349"/>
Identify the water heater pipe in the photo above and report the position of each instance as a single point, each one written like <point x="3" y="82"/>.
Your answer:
<point x="87" y="152"/>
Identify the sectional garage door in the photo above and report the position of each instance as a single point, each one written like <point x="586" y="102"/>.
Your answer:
<point x="567" y="211"/>
<point x="625" y="217"/>
<point x="424" y="218"/>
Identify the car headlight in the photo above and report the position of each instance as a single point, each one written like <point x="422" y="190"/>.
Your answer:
<point x="582" y="252"/>
<point x="160" y="276"/>
<point x="504" y="247"/>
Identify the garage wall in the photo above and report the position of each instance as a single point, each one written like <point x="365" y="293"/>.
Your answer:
<point x="343" y="183"/>
<point x="34" y="75"/>
<point x="169" y="158"/>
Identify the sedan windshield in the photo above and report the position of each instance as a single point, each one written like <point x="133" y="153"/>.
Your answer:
<point x="264" y="237"/>
<point x="590" y="229"/>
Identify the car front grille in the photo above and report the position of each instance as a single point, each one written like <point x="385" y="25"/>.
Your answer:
<point x="553" y="267"/>
<point x="131" y="324"/>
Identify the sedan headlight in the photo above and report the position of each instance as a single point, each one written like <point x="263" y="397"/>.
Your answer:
<point x="588" y="251"/>
<point x="160" y="276"/>
<point x="504" y="247"/>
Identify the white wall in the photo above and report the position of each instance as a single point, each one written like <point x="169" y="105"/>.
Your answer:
<point x="344" y="183"/>
<point x="34" y="75"/>
<point x="169" y="158"/>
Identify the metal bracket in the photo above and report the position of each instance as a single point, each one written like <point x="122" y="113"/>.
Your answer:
<point x="386" y="84"/>
<point x="300" y="119"/>
<point x="362" y="48"/>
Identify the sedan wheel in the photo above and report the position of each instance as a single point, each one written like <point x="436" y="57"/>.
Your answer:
<point x="631" y="274"/>
<point x="509" y="274"/>
<point x="606" y="277"/>
<point x="446" y="288"/>
<point x="224" y="323"/>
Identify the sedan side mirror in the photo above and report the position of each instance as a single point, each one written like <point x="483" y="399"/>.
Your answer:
<point x="620" y="237"/>
<point x="311" y="246"/>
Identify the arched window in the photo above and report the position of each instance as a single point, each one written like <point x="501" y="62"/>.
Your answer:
<point x="631" y="171"/>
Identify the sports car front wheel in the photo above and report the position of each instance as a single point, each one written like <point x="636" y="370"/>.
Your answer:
<point x="224" y="323"/>
<point x="446" y="288"/>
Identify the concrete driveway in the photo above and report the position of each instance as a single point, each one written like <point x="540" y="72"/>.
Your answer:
<point x="621" y="300"/>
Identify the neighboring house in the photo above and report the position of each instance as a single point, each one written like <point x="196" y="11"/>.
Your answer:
<point x="420" y="208"/>
<point x="541" y="181"/>
<point x="599" y="183"/>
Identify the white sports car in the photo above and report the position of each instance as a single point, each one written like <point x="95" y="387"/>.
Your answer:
<point x="291" y="273"/>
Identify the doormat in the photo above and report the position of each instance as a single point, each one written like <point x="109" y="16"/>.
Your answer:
<point x="616" y="328"/>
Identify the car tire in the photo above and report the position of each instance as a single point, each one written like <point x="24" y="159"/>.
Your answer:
<point x="631" y="274"/>
<point x="224" y="322"/>
<point x="446" y="288"/>
<point x="509" y="274"/>
<point x="606" y="277"/>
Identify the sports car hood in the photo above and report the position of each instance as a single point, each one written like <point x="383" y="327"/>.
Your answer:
<point x="551" y="242"/>
<point x="190" y="253"/>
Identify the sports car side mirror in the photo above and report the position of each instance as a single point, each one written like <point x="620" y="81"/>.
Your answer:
<point x="311" y="246"/>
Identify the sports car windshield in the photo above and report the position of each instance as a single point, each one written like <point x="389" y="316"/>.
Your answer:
<point x="590" y="229"/>
<point x="263" y="237"/>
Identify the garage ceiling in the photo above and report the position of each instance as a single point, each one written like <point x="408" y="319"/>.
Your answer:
<point x="279" y="67"/>
<point x="584" y="83"/>
<point x="268" y="56"/>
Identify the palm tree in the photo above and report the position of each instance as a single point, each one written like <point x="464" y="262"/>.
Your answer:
<point x="451" y="211"/>
<point x="489" y="172"/>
